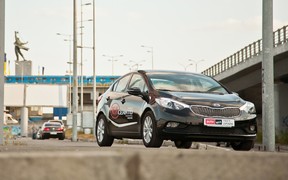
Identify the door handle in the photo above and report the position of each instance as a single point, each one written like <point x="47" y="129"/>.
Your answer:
<point x="108" y="98"/>
<point x="123" y="101"/>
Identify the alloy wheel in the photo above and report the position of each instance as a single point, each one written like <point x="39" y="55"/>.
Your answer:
<point x="100" y="130"/>
<point x="147" y="129"/>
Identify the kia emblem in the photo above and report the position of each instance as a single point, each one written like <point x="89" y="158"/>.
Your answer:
<point x="216" y="105"/>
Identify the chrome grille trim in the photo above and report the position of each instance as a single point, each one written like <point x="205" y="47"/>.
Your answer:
<point x="215" y="112"/>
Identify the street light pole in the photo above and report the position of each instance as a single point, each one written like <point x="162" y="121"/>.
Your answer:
<point x="151" y="51"/>
<point x="70" y="86"/>
<point x="81" y="52"/>
<point x="94" y="70"/>
<point x="2" y="50"/>
<point x="137" y="64"/>
<point x="112" y="60"/>
<point x="75" y="78"/>
<point x="186" y="66"/>
<point x="196" y="63"/>
<point x="81" y="89"/>
<point x="268" y="77"/>
<point x="70" y="64"/>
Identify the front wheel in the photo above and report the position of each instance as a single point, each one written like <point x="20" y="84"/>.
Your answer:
<point x="102" y="137"/>
<point x="242" y="146"/>
<point x="150" y="135"/>
<point x="183" y="144"/>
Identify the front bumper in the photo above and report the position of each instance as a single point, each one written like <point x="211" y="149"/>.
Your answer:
<point x="191" y="127"/>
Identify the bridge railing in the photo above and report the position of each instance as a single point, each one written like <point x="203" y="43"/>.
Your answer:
<point x="280" y="36"/>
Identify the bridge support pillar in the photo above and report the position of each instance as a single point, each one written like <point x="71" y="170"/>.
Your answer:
<point x="24" y="121"/>
<point x="281" y="108"/>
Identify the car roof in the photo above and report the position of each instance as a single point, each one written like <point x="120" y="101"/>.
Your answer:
<point x="58" y="121"/>
<point x="166" y="71"/>
<point x="52" y="123"/>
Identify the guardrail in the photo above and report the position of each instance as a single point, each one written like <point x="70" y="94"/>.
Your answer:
<point x="280" y="37"/>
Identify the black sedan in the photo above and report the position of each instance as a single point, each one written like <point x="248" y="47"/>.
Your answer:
<point x="51" y="130"/>
<point x="178" y="106"/>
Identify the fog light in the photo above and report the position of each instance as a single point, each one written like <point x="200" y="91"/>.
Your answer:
<point x="252" y="127"/>
<point x="172" y="124"/>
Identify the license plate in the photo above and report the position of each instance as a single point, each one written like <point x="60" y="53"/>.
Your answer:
<point x="53" y="133"/>
<point x="214" y="122"/>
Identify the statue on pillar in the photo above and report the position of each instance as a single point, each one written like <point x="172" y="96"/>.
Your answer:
<point x="18" y="46"/>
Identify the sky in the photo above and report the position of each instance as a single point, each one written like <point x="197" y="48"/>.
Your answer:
<point x="205" y="31"/>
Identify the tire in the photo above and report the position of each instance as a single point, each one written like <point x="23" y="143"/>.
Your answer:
<point x="62" y="137"/>
<point x="102" y="137"/>
<point x="242" y="146"/>
<point x="43" y="137"/>
<point x="34" y="136"/>
<point x="183" y="144"/>
<point x="150" y="135"/>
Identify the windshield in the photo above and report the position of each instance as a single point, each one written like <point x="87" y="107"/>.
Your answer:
<point x="53" y="125"/>
<point x="185" y="82"/>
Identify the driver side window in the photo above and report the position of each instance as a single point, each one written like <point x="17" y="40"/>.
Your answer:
<point x="138" y="82"/>
<point x="122" y="83"/>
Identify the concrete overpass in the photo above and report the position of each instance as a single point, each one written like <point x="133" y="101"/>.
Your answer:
<point x="242" y="73"/>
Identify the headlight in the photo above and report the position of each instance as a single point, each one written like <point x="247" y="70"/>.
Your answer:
<point x="171" y="104"/>
<point x="248" y="107"/>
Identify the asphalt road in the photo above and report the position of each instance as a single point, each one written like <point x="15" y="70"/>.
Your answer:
<point x="29" y="145"/>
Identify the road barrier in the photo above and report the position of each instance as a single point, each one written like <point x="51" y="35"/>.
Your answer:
<point x="143" y="164"/>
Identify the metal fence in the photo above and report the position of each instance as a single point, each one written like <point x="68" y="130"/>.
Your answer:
<point x="280" y="37"/>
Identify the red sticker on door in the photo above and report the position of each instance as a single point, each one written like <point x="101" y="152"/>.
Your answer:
<point x="114" y="111"/>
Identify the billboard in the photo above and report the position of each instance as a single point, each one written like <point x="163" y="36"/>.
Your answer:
<point x="31" y="95"/>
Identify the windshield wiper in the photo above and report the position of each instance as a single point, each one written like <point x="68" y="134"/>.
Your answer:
<point x="206" y="92"/>
<point x="164" y="90"/>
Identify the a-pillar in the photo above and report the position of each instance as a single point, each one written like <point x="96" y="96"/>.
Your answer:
<point x="24" y="121"/>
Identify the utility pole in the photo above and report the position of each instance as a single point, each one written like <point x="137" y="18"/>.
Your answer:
<point x="268" y="110"/>
<point x="75" y="78"/>
<point x="2" y="52"/>
<point x="94" y="69"/>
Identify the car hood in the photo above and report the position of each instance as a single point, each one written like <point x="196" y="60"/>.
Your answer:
<point x="207" y="99"/>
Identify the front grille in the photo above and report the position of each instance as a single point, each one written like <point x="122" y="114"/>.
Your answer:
<point x="215" y="112"/>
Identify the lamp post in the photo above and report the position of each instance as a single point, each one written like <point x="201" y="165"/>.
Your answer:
<point x="196" y="63"/>
<point x="151" y="51"/>
<point x="70" y="86"/>
<point x="268" y="100"/>
<point x="186" y="66"/>
<point x="136" y="63"/>
<point x="94" y="69"/>
<point x="2" y="50"/>
<point x="81" y="52"/>
<point x="70" y="43"/>
<point x="131" y="64"/>
<point x="112" y="59"/>
<point x="75" y="79"/>
<point x="69" y="40"/>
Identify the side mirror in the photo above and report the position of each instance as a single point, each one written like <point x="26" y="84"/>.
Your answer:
<point x="134" y="91"/>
